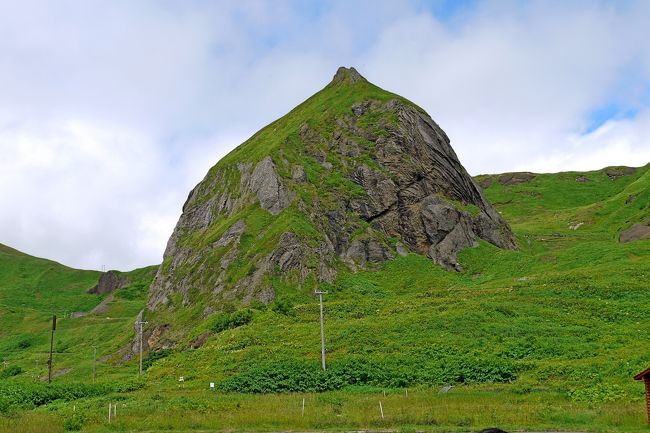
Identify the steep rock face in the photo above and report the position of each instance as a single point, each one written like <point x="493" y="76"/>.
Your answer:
<point x="352" y="177"/>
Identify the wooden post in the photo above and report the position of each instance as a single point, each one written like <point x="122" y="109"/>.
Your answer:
<point x="381" y="409"/>
<point x="49" y="361"/>
<point x="303" y="407"/>
<point x="109" y="413"/>
<point x="322" y="329"/>
<point x="645" y="377"/>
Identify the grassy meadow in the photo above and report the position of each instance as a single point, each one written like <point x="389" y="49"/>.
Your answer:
<point x="544" y="338"/>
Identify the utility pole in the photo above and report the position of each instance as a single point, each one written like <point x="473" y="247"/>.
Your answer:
<point x="49" y="361"/>
<point x="140" y="322"/>
<point x="94" y="362"/>
<point x="322" y="328"/>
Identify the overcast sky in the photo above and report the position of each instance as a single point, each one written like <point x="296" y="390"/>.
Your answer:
<point x="111" y="111"/>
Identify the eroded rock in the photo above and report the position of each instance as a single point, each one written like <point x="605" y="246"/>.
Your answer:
<point x="616" y="172"/>
<point x="516" y="178"/>
<point x="109" y="282"/>
<point x="635" y="233"/>
<point x="266" y="184"/>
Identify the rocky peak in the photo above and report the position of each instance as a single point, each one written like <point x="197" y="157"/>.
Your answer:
<point x="347" y="76"/>
<point x="343" y="182"/>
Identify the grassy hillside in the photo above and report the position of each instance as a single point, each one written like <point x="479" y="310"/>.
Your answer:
<point x="546" y="337"/>
<point x="33" y="289"/>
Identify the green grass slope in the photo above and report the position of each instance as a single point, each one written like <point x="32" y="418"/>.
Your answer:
<point x="546" y="337"/>
<point x="33" y="289"/>
<point x="38" y="284"/>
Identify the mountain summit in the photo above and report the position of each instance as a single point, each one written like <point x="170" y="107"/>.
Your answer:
<point x="348" y="179"/>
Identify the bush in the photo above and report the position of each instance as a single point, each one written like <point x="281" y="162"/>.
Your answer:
<point x="223" y="321"/>
<point x="74" y="422"/>
<point x="283" y="306"/>
<point x="28" y="394"/>
<point x="24" y="344"/>
<point x="12" y="371"/>
<point x="297" y="376"/>
<point x="155" y="356"/>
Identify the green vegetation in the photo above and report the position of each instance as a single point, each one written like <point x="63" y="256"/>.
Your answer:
<point x="32" y="289"/>
<point x="221" y="322"/>
<point x="547" y="337"/>
<point x="292" y="376"/>
<point x="29" y="395"/>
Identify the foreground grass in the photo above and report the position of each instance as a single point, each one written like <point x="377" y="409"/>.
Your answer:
<point x="462" y="409"/>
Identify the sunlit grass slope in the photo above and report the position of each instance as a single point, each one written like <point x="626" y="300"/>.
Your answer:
<point x="546" y="337"/>
<point x="34" y="289"/>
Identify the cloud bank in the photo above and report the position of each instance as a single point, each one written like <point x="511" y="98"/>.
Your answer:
<point x="112" y="111"/>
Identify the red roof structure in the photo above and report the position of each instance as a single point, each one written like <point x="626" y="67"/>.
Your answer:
<point x="642" y="375"/>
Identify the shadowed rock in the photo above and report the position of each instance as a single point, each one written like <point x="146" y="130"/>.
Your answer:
<point x="516" y="178"/>
<point x="616" y="172"/>
<point x="635" y="233"/>
<point x="109" y="282"/>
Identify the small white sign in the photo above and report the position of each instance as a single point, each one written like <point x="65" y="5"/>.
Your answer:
<point x="211" y="385"/>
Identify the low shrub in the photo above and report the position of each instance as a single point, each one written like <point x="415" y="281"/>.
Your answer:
<point x="223" y="321"/>
<point x="155" y="356"/>
<point x="74" y="422"/>
<point x="297" y="376"/>
<point x="11" y="371"/>
<point x="24" y="344"/>
<point x="283" y="306"/>
<point x="14" y="395"/>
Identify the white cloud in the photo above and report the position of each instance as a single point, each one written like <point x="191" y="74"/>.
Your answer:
<point x="616" y="142"/>
<point x="509" y="88"/>
<point x="111" y="112"/>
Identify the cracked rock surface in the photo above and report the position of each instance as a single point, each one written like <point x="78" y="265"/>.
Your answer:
<point x="337" y="185"/>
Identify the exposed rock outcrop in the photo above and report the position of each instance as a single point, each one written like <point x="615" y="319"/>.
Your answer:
<point x="516" y="178"/>
<point x="109" y="282"/>
<point x="266" y="184"/>
<point x="635" y="233"/>
<point x="353" y="177"/>
<point x="616" y="172"/>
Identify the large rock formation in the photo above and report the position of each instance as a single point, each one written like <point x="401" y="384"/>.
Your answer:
<point x="350" y="178"/>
